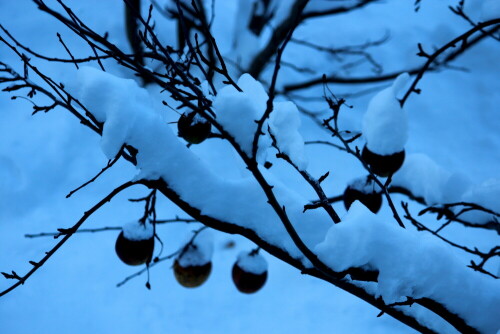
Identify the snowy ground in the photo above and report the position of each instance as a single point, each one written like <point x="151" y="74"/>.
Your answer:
<point x="42" y="158"/>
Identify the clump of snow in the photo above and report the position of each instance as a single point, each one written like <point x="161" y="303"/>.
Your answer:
<point x="199" y="252"/>
<point x="385" y="123"/>
<point x="426" y="179"/>
<point x="486" y="195"/>
<point x="490" y="10"/>
<point x="285" y="123"/>
<point x="137" y="231"/>
<point x="197" y="119"/>
<point x="410" y="264"/>
<point x="114" y="101"/>
<point x="456" y="185"/>
<point x="365" y="185"/>
<point x="238" y="112"/>
<point x="252" y="263"/>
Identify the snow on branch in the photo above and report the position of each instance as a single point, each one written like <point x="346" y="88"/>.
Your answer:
<point x="362" y="241"/>
<point x="411" y="265"/>
<point x="129" y="118"/>
<point x="404" y="267"/>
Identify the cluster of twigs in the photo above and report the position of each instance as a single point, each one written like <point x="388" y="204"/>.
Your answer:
<point x="332" y="125"/>
<point x="439" y="59"/>
<point x="484" y="256"/>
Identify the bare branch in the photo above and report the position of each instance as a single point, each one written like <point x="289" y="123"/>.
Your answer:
<point x="336" y="79"/>
<point x="278" y="36"/>
<point x="463" y="39"/>
<point x="70" y="232"/>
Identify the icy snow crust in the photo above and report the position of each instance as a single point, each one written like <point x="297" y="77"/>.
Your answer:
<point x="137" y="231"/>
<point x="423" y="267"/>
<point x="410" y="264"/>
<point x="201" y="253"/>
<point x="255" y="264"/>
<point x="385" y="124"/>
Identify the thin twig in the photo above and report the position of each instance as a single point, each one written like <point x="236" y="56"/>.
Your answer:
<point x="71" y="231"/>
<point x="108" y="228"/>
<point x="484" y="256"/>
<point x="432" y="57"/>
<point x="108" y="166"/>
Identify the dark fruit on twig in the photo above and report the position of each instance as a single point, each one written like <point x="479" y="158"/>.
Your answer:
<point x="192" y="276"/>
<point x="247" y="282"/>
<point x="193" y="265"/>
<point x="383" y="165"/>
<point x="134" y="252"/>
<point x="244" y="279"/>
<point x="193" y="128"/>
<point x="366" y="191"/>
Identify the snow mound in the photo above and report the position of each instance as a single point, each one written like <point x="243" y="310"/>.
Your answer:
<point x="137" y="231"/>
<point x="486" y="195"/>
<point x="426" y="179"/>
<point x="114" y="101"/>
<point x="200" y="252"/>
<point x="252" y="263"/>
<point x="385" y="123"/>
<point x="238" y="112"/>
<point x="410" y="264"/>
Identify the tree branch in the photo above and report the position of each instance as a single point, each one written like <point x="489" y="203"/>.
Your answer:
<point x="70" y="232"/>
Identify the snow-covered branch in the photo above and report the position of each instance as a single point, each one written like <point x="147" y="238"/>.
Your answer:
<point x="371" y="256"/>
